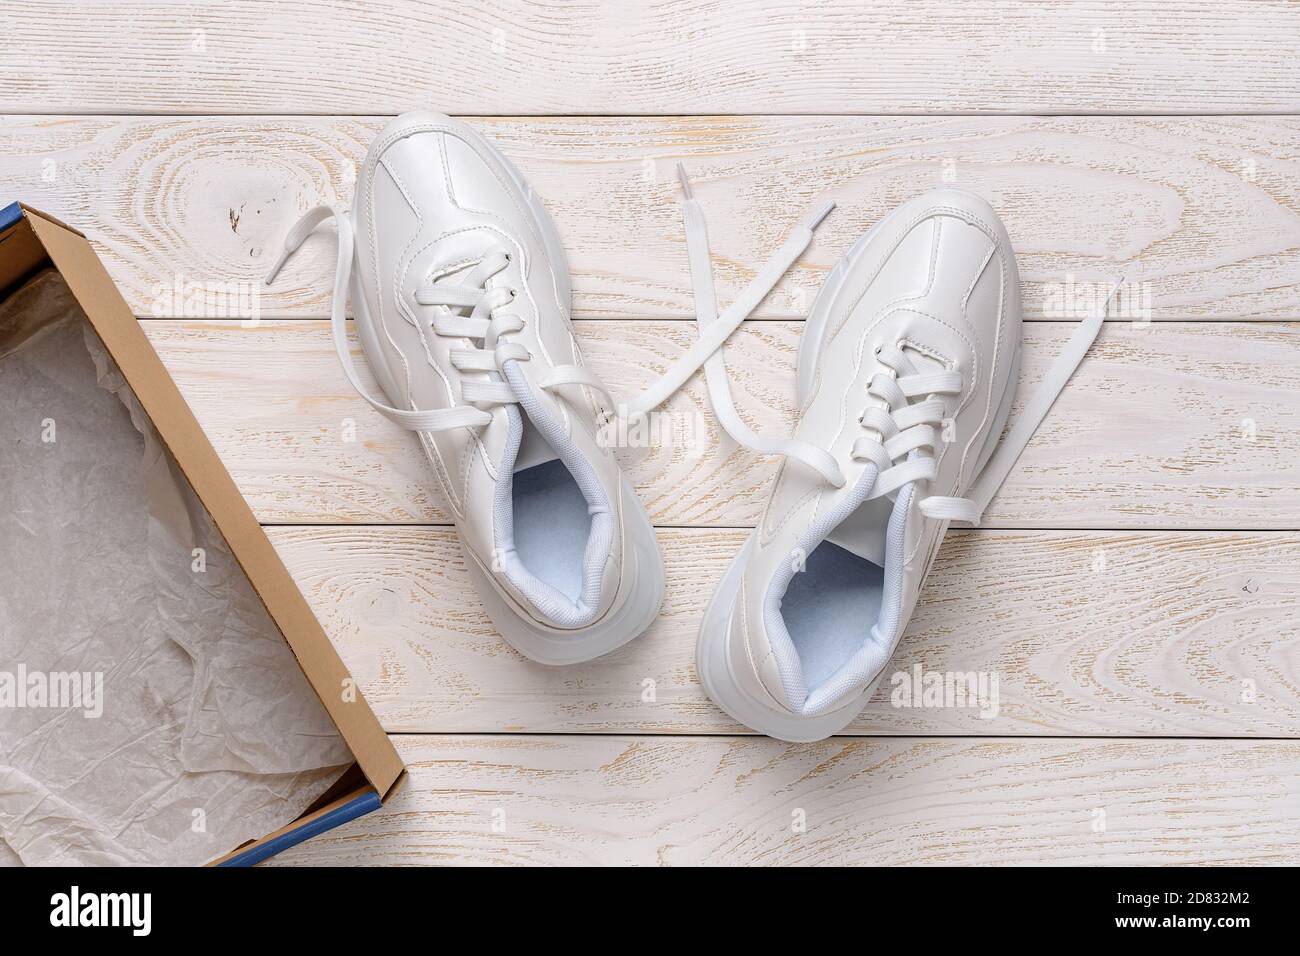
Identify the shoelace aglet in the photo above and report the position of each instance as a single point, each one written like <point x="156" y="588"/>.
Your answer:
<point x="685" y="181"/>
<point x="301" y="230"/>
<point x="1114" y="289"/>
<point x="813" y="218"/>
<point x="279" y="264"/>
<point x="292" y="241"/>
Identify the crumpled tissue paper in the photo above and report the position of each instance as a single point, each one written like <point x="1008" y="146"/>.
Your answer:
<point x="204" y="733"/>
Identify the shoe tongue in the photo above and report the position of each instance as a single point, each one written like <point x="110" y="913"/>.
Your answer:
<point x="454" y="276"/>
<point x="923" y="363"/>
<point x="533" y="448"/>
<point x="863" y="532"/>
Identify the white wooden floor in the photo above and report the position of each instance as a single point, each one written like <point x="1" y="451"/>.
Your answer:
<point x="1137" y="588"/>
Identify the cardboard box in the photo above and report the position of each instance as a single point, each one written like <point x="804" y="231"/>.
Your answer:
<point x="31" y="241"/>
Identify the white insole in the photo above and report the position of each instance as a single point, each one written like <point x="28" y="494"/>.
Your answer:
<point x="551" y="524"/>
<point x="829" y="609"/>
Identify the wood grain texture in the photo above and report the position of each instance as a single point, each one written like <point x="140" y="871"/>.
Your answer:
<point x="685" y="56"/>
<point x="1165" y="425"/>
<point x="1173" y="617"/>
<point x="510" y="800"/>
<point x="1202" y="213"/>
<point x="1085" y="634"/>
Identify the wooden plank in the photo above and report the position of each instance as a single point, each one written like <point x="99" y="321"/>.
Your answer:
<point x="599" y="56"/>
<point x="1167" y="425"/>
<point x="1084" y="633"/>
<point x="681" y="801"/>
<point x="1202" y="214"/>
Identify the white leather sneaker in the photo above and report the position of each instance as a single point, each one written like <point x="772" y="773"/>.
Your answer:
<point x="906" y="373"/>
<point x="461" y="295"/>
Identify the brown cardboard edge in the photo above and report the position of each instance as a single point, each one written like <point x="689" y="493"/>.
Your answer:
<point x="48" y="218"/>
<point x="120" y="331"/>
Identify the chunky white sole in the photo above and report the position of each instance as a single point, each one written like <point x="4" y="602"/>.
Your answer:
<point x="642" y="583"/>
<point x="712" y="662"/>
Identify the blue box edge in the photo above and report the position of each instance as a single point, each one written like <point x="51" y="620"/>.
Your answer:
<point x="357" y="807"/>
<point x="9" y="215"/>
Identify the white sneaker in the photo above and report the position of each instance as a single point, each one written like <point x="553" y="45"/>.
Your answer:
<point x="461" y="296"/>
<point x="906" y="373"/>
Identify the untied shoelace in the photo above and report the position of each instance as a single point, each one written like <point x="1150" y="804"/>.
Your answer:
<point x="901" y="433"/>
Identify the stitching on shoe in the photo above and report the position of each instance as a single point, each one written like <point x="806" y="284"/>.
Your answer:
<point x="459" y="501"/>
<point x="749" y="649"/>
<point x="772" y="530"/>
<point x="430" y="448"/>
<point x="978" y="274"/>
<point x="996" y="247"/>
<point x="928" y="350"/>
<point x="468" y="467"/>
<point x="509" y="187"/>
<point x="920" y="216"/>
<point x="993" y="362"/>
<point x="935" y="242"/>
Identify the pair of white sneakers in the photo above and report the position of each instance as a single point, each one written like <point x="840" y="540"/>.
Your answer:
<point x="906" y="372"/>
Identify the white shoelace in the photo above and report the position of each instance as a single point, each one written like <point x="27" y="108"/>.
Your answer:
<point x="901" y="433"/>
<point x="715" y="329"/>
<point x="468" y="310"/>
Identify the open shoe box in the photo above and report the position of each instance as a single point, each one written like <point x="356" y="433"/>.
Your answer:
<point x="30" y="242"/>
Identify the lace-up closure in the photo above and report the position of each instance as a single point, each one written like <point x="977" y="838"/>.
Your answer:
<point x="905" y="437"/>
<point x="486" y="326"/>
<point x="903" y="429"/>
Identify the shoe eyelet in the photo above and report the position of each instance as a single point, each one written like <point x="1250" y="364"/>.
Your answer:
<point x="509" y="257"/>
